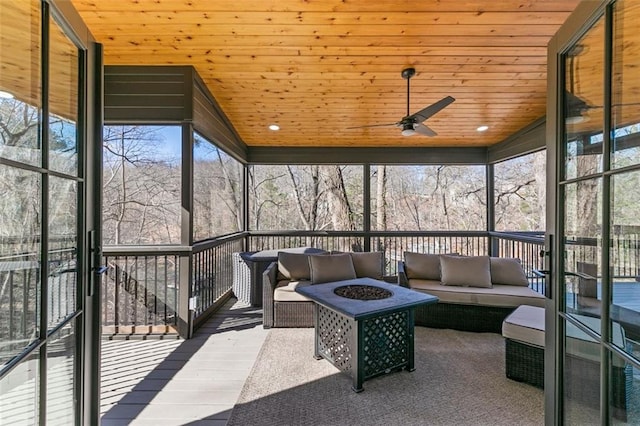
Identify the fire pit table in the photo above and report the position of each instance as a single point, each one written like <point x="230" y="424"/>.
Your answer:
<point x="370" y="331"/>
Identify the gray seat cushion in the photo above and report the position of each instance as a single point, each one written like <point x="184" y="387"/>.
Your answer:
<point x="526" y="325"/>
<point x="500" y="295"/>
<point x="285" y="291"/>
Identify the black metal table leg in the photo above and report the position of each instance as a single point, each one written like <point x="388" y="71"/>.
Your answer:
<point x="410" y="340"/>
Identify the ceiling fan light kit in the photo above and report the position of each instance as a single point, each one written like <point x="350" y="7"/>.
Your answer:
<point x="412" y="123"/>
<point x="407" y="130"/>
<point x="575" y="119"/>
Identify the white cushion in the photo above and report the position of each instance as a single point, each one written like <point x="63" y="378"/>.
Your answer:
<point x="500" y="295"/>
<point x="285" y="291"/>
<point x="525" y="324"/>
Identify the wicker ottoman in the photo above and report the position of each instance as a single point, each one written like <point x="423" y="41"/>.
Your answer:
<point x="523" y="331"/>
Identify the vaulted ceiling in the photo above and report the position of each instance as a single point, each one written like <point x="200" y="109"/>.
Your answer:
<point x="317" y="68"/>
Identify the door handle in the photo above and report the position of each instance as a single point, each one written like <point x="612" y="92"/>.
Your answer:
<point x="541" y="273"/>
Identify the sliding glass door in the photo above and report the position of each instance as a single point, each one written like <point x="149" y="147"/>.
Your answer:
<point x="596" y="281"/>
<point x="44" y="268"/>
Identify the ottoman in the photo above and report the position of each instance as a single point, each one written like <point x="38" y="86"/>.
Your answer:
<point x="523" y="331"/>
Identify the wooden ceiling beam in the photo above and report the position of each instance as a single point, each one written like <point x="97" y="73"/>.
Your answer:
<point x="383" y="6"/>
<point x="346" y="31"/>
<point x="213" y="46"/>
<point x="320" y="18"/>
<point x="151" y="37"/>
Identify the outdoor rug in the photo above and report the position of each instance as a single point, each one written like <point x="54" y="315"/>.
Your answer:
<point x="459" y="380"/>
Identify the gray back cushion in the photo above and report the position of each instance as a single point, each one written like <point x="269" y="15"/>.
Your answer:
<point x="368" y="264"/>
<point x="331" y="267"/>
<point x="422" y="266"/>
<point x="472" y="271"/>
<point x="507" y="270"/>
<point x="294" y="266"/>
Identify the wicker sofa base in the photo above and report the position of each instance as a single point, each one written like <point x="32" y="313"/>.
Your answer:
<point x="475" y="318"/>
<point x="293" y="314"/>
<point x="525" y="363"/>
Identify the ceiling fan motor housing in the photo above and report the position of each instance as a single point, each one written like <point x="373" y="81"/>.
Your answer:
<point x="407" y="73"/>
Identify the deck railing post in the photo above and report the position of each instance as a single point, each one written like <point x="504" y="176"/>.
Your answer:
<point x="185" y="308"/>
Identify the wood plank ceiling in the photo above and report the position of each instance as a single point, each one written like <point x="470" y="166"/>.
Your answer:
<point x="316" y="68"/>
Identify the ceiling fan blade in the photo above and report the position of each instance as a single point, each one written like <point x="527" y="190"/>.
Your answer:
<point x="424" y="130"/>
<point x="373" y="125"/>
<point x="427" y="112"/>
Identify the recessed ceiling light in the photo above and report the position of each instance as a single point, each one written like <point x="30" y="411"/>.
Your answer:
<point x="482" y="128"/>
<point x="6" y="95"/>
<point x="274" y="127"/>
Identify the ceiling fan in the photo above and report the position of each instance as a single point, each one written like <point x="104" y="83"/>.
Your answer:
<point x="575" y="107"/>
<point x="412" y="123"/>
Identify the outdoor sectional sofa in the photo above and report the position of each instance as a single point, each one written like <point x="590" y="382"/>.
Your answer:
<point x="282" y="306"/>
<point x="476" y="293"/>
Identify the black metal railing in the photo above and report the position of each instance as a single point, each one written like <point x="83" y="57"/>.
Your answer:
<point x="213" y="272"/>
<point x="165" y="290"/>
<point x="153" y="289"/>
<point x="62" y="285"/>
<point x="20" y="295"/>
<point x="625" y="255"/>
<point x="19" y="282"/>
<point x="144" y="285"/>
<point x="525" y="246"/>
<point x="140" y="292"/>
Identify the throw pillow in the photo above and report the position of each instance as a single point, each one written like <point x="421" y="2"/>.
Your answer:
<point x="422" y="266"/>
<point x="294" y="266"/>
<point x="368" y="264"/>
<point x="332" y="267"/>
<point x="508" y="270"/>
<point x="472" y="271"/>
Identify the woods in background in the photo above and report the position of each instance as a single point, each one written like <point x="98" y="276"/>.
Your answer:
<point x="142" y="193"/>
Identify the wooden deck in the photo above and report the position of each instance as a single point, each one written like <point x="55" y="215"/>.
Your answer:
<point x="181" y="382"/>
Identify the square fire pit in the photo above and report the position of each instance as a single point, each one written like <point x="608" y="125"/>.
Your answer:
<point x="365" y="338"/>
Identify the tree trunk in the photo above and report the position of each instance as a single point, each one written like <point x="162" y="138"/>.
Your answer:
<point x="123" y="188"/>
<point x="381" y="204"/>
<point x="339" y="207"/>
<point x="540" y="173"/>
<point x="586" y="209"/>
<point x="381" y="199"/>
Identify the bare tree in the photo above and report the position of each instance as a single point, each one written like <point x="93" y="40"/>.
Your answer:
<point x="381" y="204"/>
<point x="260" y="196"/>
<point x="141" y="190"/>
<point x="309" y="217"/>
